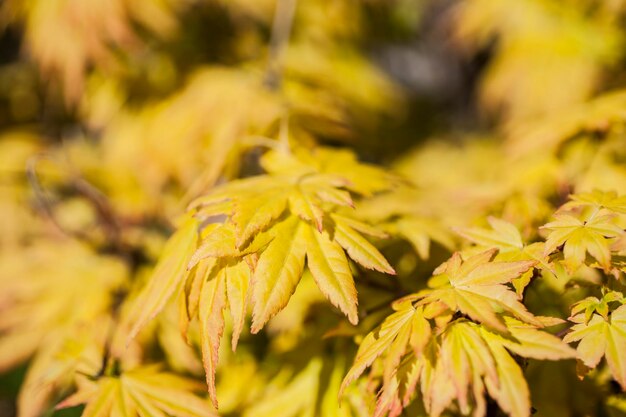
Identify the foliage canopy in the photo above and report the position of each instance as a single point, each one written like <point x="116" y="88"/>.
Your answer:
<point x="389" y="208"/>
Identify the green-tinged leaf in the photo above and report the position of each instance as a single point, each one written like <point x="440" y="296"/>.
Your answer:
<point x="592" y="305"/>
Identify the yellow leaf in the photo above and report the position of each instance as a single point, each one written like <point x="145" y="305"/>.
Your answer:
<point x="237" y="283"/>
<point x="140" y="392"/>
<point x="307" y="207"/>
<point x="212" y="304"/>
<point x="190" y="298"/>
<point x="475" y="287"/>
<point x="503" y="236"/>
<point x="360" y="249"/>
<point x="600" y="337"/>
<point x="278" y="271"/>
<point x="221" y="243"/>
<point x="331" y="271"/>
<point x="99" y="398"/>
<point x="597" y="199"/>
<point x="358" y="226"/>
<point x="511" y="392"/>
<point x="296" y="399"/>
<point x="582" y="236"/>
<point x="257" y="213"/>
<point x="533" y="343"/>
<point x="375" y="343"/>
<point x="167" y="277"/>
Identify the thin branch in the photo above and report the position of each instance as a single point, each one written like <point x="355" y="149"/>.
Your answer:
<point x="281" y="31"/>
<point x="561" y="334"/>
<point x="45" y="203"/>
<point x="105" y="214"/>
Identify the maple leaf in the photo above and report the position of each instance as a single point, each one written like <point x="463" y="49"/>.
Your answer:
<point x="460" y="361"/>
<point x="346" y="233"/>
<point x="139" y="392"/>
<point x="518" y="94"/>
<point x="398" y="214"/>
<point x="216" y="284"/>
<point x="505" y="237"/>
<point x="77" y="350"/>
<point x="591" y="305"/>
<point x="393" y="334"/>
<point x="594" y="115"/>
<point x="66" y="50"/>
<point x="477" y="287"/>
<point x="308" y="390"/>
<point x="298" y="396"/>
<point x="471" y="360"/>
<point x="530" y="342"/>
<point x="302" y="188"/>
<point x="601" y="337"/>
<point x="168" y="275"/>
<point x="65" y="285"/>
<point x="247" y="241"/>
<point x="420" y="232"/>
<point x="330" y="269"/>
<point x="278" y="271"/>
<point x="598" y="200"/>
<point x="580" y="237"/>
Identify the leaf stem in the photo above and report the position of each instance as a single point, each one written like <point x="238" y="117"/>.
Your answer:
<point x="281" y="31"/>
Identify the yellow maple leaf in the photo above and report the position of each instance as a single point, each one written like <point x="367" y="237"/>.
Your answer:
<point x="477" y="288"/>
<point x="581" y="236"/>
<point x="601" y="337"/>
<point x="597" y="199"/>
<point x="505" y="237"/>
<point x="139" y="392"/>
<point x="65" y="285"/>
<point x="461" y="361"/>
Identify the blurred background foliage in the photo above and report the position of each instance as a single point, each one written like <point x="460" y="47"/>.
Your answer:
<point x="115" y="114"/>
